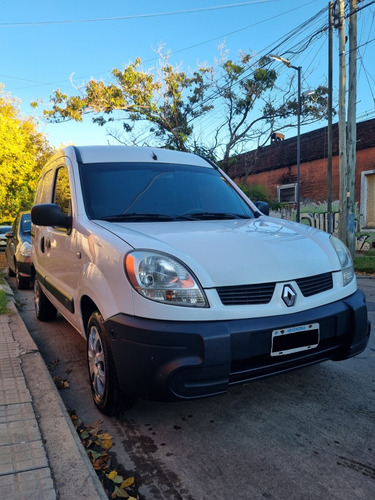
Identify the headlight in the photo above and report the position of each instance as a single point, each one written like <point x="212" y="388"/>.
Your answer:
<point x="164" y="279"/>
<point x="345" y="259"/>
<point x="25" y="249"/>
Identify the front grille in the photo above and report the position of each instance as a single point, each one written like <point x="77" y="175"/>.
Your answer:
<point x="262" y="293"/>
<point x="246" y="294"/>
<point x="315" y="284"/>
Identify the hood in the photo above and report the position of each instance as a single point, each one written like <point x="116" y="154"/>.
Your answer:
<point x="223" y="253"/>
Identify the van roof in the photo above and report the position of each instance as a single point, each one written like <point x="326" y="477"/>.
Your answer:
<point x="134" y="154"/>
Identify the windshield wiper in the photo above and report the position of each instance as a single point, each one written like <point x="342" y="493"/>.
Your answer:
<point x="137" y="217"/>
<point x="214" y="216"/>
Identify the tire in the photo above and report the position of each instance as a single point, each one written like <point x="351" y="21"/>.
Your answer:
<point x="103" y="380"/>
<point x="21" y="282"/>
<point x="44" y="310"/>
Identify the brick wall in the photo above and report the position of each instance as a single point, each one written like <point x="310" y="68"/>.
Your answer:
<point x="275" y="165"/>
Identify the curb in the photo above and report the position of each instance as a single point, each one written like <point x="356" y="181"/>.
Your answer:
<point x="72" y="471"/>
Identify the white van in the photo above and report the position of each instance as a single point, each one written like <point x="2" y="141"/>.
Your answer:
<point x="180" y="284"/>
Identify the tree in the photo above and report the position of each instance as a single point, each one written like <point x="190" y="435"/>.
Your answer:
<point x="170" y="102"/>
<point x="166" y="98"/>
<point x="253" y="112"/>
<point x="23" y="151"/>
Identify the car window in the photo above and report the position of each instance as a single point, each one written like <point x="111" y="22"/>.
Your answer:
<point x="165" y="189"/>
<point x="44" y="188"/>
<point x="26" y="224"/>
<point x="62" y="195"/>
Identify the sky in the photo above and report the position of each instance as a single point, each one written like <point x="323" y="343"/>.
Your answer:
<point x="49" y="44"/>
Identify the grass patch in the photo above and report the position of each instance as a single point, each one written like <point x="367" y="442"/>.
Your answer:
<point x="3" y="302"/>
<point x="365" y="263"/>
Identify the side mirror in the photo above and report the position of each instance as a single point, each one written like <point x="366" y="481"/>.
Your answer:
<point x="263" y="207"/>
<point x="50" y="214"/>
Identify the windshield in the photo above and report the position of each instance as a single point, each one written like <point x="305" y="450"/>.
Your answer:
<point x="147" y="191"/>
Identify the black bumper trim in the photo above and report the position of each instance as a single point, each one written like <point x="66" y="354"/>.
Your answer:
<point x="171" y="360"/>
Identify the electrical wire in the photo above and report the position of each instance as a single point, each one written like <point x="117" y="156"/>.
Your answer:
<point x="137" y="16"/>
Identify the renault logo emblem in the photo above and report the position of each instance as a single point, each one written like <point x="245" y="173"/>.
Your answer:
<point x="289" y="295"/>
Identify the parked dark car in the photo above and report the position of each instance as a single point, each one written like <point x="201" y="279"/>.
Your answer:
<point x="3" y="240"/>
<point x="18" y="250"/>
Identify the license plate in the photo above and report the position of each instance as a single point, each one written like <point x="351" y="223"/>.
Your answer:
<point x="295" y="339"/>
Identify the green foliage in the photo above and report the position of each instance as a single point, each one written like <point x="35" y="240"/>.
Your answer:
<point x="23" y="151"/>
<point x="365" y="262"/>
<point x="240" y="93"/>
<point x="165" y="102"/>
<point x="3" y="301"/>
<point x="260" y="193"/>
<point x="313" y="107"/>
<point x="166" y="98"/>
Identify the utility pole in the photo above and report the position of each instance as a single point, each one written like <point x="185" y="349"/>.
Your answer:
<point x="342" y="124"/>
<point x="329" y="129"/>
<point x="352" y="126"/>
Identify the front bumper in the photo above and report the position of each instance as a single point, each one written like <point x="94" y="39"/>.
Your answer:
<point x="171" y="360"/>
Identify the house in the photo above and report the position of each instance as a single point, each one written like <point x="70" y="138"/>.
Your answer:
<point x="274" y="167"/>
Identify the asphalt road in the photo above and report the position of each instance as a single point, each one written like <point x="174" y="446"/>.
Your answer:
<point x="308" y="434"/>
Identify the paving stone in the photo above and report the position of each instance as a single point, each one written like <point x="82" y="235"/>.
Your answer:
<point x="22" y="457"/>
<point x="29" y="485"/>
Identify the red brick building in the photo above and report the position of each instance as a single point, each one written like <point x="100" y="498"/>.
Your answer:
<point x="274" y="167"/>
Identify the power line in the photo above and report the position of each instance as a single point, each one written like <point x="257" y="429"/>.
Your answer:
<point x="220" y="37"/>
<point x="248" y="71"/>
<point x="137" y="16"/>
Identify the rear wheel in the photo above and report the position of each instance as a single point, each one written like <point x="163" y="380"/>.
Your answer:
<point x="21" y="282"/>
<point x="104" y="386"/>
<point x="44" y="310"/>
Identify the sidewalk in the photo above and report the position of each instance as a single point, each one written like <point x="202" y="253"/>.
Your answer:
<point x="41" y="455"/>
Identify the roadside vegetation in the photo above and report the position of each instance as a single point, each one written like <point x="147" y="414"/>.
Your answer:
<point x="3" y="295"/>
<point x="364" y="263"/>
<point x="3" y="302"/>
<point x="23" y="152"/>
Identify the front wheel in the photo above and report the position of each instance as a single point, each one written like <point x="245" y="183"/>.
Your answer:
<point x="44" y="310"/>
<point x="103" y="380"/>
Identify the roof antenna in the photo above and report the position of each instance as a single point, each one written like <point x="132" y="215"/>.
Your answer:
<point x="154" y="157"/>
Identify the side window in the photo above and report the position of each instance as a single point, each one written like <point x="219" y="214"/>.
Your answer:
<point x="62" y="194"/>
<point x="44" y="188"/>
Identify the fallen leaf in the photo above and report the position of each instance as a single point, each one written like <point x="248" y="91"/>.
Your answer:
<point x="128" y="482"/>
<point x="95" y="425"/>
<point x="104" y="435"/>
<point x="94" y="454"/>
<point x="94" y="431"/>
<point x="84" y="435"/>
<point x="112" y="474"/>
<point x="120" y="493"/>
<point x="100" y="463"/>
<point x="118" y="479"/>
<point x="60" y="383"/>
<point x="106" y="444"/>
